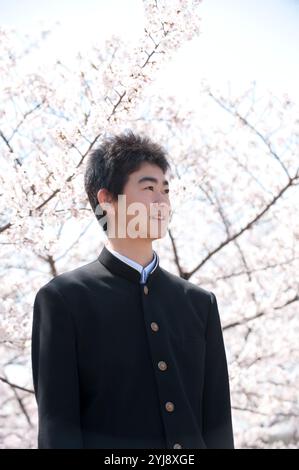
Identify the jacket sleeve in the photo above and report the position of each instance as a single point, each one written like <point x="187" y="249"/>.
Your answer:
<point x="217" y="421"/>
<point x="54" y="370"/>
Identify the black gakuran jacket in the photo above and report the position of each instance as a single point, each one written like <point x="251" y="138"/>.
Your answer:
<point x="118" y="364"/>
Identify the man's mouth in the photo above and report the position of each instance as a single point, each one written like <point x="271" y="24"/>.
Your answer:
<point x="159" y="217"/>
<point x="160" y="214"/>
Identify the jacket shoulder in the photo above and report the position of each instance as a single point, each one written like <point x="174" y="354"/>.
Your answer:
<point x="71" y="279"/>
<point x="186" y="286"/>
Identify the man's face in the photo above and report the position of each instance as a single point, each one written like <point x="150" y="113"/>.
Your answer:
<point x="145" y="201"/>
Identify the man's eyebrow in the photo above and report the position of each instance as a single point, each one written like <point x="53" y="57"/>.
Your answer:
<point x="152" y="179"/>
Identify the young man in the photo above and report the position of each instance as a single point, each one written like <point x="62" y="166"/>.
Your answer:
<point x="124" y="353"/>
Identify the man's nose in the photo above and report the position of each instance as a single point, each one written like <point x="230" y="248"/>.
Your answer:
<point x="162" y="206"/>
<point x="161" y="198"/>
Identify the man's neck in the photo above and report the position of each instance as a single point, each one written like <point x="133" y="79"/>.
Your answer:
<point x="138" y="250"/>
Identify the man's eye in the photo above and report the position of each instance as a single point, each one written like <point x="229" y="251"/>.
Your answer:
<point x="152" y="188"/>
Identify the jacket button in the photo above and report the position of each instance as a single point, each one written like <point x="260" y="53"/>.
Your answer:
<point x="162" y="365"/>
<point x="177" y="446"/>
<point x="169" y="406"/>
<point x="154" y="326"/>
<point x="145" y="289"/>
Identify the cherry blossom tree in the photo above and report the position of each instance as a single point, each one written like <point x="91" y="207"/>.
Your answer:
<point x="234" y="189"/>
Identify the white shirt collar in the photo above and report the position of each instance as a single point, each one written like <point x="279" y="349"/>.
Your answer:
<point x="144" y="271"/>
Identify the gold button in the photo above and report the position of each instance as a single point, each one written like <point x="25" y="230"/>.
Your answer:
<point x="169" y="406"/>
<point x="154" y="326"/>
<point x="145" y="289"/>
<point x="162" y="365"/>
<point x="177" y="446"/>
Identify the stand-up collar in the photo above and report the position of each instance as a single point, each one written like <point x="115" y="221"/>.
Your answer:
<point x="120" y="268"/>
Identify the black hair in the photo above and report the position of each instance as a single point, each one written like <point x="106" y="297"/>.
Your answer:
<point x="110" y="165"/>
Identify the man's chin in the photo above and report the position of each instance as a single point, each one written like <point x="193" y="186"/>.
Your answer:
<point x="157" y="235"/>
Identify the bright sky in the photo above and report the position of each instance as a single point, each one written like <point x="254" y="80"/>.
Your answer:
<point x="241" y="40"/>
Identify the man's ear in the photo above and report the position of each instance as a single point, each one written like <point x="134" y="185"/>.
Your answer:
<point x="103" y="195"/>
<point x="105" y="201"/>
